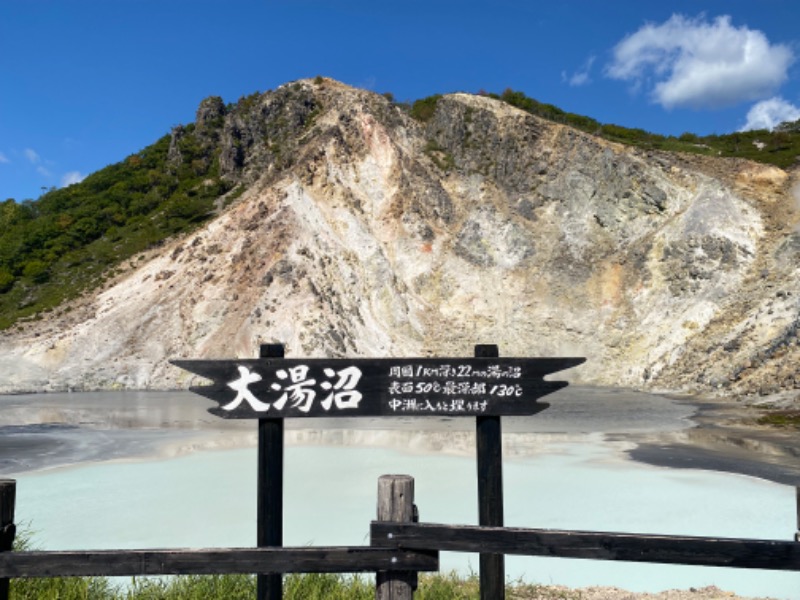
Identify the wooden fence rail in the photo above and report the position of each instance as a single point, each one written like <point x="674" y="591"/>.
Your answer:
<point x="338" y="559"/>
<point x="399" y="549"/>
<point x="704" y="551"/>
<point x="395" y="568"/>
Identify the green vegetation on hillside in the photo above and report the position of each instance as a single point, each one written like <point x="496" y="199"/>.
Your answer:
<point x="422" y="110"/>
<point x="780" y="147"/>
<point x="65" y="242"/>
<point x="72" y="239"/>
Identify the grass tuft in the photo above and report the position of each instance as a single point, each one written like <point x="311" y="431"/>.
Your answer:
<point x="785" y="419"/>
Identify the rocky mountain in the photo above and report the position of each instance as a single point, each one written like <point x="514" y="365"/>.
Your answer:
<point x="357" y="230"/>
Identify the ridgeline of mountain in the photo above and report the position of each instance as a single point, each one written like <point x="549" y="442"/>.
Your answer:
<point x="345" y="227"/>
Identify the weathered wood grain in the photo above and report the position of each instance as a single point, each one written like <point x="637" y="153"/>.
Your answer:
<point x="213" y="561"/>
<point x="8" y="493"/>
<point x="278" y="395"/>
<point x="489" y="449"/>
<point x="705" y="551"/>
<point x="269" y="495"/>
<point x="395" y="504"/>
<point x="797" y="493"/>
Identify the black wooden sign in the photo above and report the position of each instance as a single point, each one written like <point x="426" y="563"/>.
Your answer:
<point x="278" y="388"/>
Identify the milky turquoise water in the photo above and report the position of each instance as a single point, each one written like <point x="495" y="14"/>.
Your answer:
<point x="208" y="499"/>
<point x="562" y="477"/>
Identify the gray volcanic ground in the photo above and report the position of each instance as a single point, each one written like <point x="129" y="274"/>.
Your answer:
<point x="46" y="430"/>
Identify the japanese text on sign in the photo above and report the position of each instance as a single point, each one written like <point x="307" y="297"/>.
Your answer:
<point x="298" y="389"/>
<point x="455" y="371"/>
<point x="465" y="389"/>
<point x="411" y="388"/>
<point x="269" y="388"/>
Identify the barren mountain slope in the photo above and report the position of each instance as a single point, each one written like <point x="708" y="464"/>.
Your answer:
<point x="363" y="232"/>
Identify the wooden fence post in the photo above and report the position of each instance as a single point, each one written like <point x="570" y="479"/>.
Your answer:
<point x="8" y="493"/>
<point x="395" y="504"/>
<point x="489" y="441"/>
<point x="270" y="490"/>
<point x="797" y="533"/>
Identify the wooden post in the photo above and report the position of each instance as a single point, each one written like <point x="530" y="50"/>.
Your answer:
<point x="797" y="533"/>
<point x="489" y="440"/>
<point x="8" y="493"/>
<point x="395" y="504"/>
<point x="270" y="489"/>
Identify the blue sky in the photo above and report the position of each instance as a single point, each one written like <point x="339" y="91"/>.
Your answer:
<point x="85" y="83"/>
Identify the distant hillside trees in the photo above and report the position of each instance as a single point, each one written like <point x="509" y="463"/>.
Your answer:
<point x="780" y="147"/>
<point x="66" y="241"/>
<point x="70" y="239"/>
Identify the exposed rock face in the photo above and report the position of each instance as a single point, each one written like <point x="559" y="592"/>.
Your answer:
<point x="210" y="114"/>
<point x="365" y="233"/>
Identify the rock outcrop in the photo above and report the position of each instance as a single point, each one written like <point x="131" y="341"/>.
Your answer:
<point x="362" y="232"/>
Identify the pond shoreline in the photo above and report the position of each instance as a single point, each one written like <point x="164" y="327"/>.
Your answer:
<point x="165" y="445"/>
<point x="725" y="436"/>
<point x="715" y="434"/>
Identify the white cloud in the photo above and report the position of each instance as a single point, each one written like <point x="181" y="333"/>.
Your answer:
<point x="696" y="63"/>
<point x="32" y="156"/>
<point x="769" y="113"/>
<point x="581" y="76"/>
<point x="3" y="159"/>
<point x="71" y="177"/>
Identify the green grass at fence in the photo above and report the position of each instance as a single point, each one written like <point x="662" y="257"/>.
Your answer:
<point x="57" y="588"/>
<point x="243" y="587"/>
<point x="310" y="586"/>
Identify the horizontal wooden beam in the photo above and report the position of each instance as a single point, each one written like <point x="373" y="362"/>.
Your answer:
<point x="214" y="561"/>
<point x="719" y="552"/>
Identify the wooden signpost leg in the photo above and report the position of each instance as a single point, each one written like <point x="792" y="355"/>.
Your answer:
<point x="488" y="433"/>
<point x="396" y="504"/>
<point x="270" y="489"/>
<point x="797" y="534"/>
<point x="8" y="491"/>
